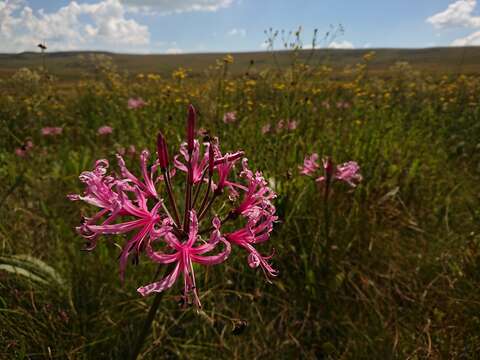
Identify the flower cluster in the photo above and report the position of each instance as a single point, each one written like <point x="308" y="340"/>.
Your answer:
<point x="348" y="172"/>
<point x="203" y="232"/>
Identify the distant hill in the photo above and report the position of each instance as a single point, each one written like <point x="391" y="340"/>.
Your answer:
<point x="69" y="65"/>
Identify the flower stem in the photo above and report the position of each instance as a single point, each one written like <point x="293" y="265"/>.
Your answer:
<point x="146" y="325"/>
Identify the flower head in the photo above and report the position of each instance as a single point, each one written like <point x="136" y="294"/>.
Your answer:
<point x="131" y="204"/>
<point x="135" y="103"/>
<point x="51" y="131"/>
<point x="348" y="172"/>
<point x="104" y="130"/>
<point x="230" y="117"/>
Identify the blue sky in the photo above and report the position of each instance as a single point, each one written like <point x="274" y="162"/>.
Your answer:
<point x="166" y="26"/>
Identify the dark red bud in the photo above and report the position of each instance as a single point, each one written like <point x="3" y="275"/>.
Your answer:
<point x="192" y="117"/>
<point x="211" y="159"/>
<point x="162" y="151"/>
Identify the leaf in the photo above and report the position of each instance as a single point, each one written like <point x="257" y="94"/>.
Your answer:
<point x="20" y="271"/>
<point x="32" y="268"/>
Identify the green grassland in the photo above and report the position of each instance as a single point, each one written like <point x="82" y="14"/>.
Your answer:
<point x="398" y="278"/>
<point x="71" y="65"/>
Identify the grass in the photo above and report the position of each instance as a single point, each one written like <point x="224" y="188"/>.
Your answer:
<point x="71" y="66"/>
<point x="403" y="280"/>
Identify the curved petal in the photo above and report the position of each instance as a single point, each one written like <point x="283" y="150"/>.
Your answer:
<point x="213" y="259"/>
<point x="164" y="284"/>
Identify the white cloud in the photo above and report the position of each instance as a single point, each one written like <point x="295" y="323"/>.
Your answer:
<point x="237" y="32"/>
<point x="470" y="40"/>
<point x="176" y="6"/>
<point x="341" y="45"/>
<point x="457" y="14"/>
<point x="76" y="26"/>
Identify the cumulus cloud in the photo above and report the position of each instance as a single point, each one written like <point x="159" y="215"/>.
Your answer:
<point x="459" y="14"/>
<point x="470" y="40"/>
<point x="341" y="45"/>
<point x="237" y="32"/>
<point x="102" y="25"/>
<point x="176" y="6"/>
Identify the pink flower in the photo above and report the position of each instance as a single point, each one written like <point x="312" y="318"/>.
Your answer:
<point x="343" y="105"/>
<point x="230" y="117"/>
<point x="51" y="131"/>
<point x="104" y="130"/>
<point x="266" y="128"/>
<point x="310" y="165"/>
<point x="280" y="125"/>
<point x="184" y="255"/>
<point x="292" y="125"/>
<point x="24" y="149"/>
<point x="131" y="204"/>
<point x="326" y="104"/>
<point x="135" y="103"/>
<point x="348" y="172"/>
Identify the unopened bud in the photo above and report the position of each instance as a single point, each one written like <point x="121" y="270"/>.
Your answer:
<point x="192" y="116"/>
<point x="162" y="151"/>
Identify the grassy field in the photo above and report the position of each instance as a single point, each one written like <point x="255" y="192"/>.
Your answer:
<point x="70" y="66"/>
<point x="396" y="275"/>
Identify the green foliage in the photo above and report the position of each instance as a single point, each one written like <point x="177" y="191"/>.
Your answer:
<point x="403" y="280"/>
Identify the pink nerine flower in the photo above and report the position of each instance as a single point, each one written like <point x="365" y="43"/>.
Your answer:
<point x="185" y="253"/>
<point x="348" y="172"/>
<point x="136" y="103"/>
<point x="51" y="131"/>
<point x="24" y="149"/>
<point x="104" y="130"/>
<point x="292" y="124"/>
<point x="132" y="204"/>
<point x="230" y="117"/>
<point x="266" y="128"/>
<point x="310" y="165"/>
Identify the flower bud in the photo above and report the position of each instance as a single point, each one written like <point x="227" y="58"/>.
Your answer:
<point x="211" y="159"/>
<point x="162" y="151"/>
<point x="192" y="115"/>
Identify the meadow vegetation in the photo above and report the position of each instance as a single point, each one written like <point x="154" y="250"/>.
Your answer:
<point x="403" y="275"/>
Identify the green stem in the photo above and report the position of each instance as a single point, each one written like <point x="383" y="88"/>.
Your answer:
<point x="147" y="324"/>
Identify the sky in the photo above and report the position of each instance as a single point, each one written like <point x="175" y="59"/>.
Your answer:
<point x="186" y="26"/>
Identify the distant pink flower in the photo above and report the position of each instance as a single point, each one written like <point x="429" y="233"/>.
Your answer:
<point x="24" y="149"/>
<point x="266" y="128"/>
<point x="280" y="125"/>
<point x="348" y="172"/>
<point x="230" y="117"/>
<point x="136" y="103"/>
<point x="51" y="131"/>
<point x="343" y="105"/>
<point x="326" y="104"/>
<point x="292" y="125"/>
<point x="310" y="165"/>
<point x="104" y="130"/>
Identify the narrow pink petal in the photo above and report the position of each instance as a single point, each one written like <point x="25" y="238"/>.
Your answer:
<point x="162" y="285"/>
